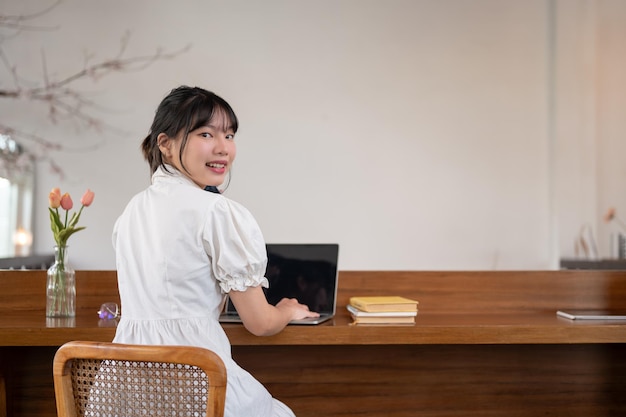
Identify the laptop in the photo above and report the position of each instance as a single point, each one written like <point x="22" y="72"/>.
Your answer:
<point x="306" y="272"/>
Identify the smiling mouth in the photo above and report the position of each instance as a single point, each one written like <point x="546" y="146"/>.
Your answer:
<point x="216" y="165"/>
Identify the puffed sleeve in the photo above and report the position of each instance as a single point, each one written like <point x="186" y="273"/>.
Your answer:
<point x="233" y="240"/>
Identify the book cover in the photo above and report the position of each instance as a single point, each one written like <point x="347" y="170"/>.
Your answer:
<point x="383" y="303"/>
<point x="359" y="313"/>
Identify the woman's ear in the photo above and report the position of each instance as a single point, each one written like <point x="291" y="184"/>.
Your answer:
<point x="165" y="144"/>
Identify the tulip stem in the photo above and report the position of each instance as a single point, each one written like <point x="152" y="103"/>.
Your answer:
<point x="620" y="222"/>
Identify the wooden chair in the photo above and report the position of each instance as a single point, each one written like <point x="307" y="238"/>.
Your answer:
<point x="111" y="379"/>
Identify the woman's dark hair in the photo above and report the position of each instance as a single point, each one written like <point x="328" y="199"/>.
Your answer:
<point x="184" y="109"/>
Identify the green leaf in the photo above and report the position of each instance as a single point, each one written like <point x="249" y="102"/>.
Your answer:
<point x="54" y="219"/>
<point x="66" y="233"/>
<point x="75" y="218"/>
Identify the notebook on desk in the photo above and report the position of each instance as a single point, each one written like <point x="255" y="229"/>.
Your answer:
<point x="306" y="272"/>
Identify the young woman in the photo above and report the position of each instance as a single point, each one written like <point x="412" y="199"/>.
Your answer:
<point x="180" y="249"/>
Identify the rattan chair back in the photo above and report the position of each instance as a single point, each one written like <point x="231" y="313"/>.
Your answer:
<point x="98" y="379"/>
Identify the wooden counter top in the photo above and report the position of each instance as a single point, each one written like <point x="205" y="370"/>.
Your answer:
<point x="453" y="329"/>
<point x="31" y="328"/>
<point x="455" y="308"/>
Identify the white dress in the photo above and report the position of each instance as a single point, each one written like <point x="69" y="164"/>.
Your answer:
<point x="179" y="249"/>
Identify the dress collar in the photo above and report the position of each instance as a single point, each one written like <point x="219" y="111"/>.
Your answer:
<point x="172" y="175"/>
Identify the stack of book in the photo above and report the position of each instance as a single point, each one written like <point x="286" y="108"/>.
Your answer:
<point x="382" y="310"/>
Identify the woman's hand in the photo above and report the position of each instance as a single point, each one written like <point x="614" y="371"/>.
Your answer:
<point x="263" y="319"/>
<point x="296" y="310"/>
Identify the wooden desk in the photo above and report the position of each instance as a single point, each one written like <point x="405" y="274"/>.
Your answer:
<point x="485" y="344"/>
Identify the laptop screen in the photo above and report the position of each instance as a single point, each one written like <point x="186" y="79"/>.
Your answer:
<point x="306" y="272"/>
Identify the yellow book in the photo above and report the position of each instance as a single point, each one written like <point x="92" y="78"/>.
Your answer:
<point x="383" y="303"/>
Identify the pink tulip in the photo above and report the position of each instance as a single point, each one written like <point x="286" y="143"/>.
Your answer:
<point x="66" y="202"/>
<point x="610" y="214"/>
<point x="87" y="198"/>
<point x="55" y="198"/>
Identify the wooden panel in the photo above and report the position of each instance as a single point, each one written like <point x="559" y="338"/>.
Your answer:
<point x="26" y="290"/>
<point x="408" y="381"/>
<point x="491" y="291"/>
<point x="3" y="396"/>
<point x="401" y="381"/>
<point x="437" y="291"/>
<point x="28" y="371"/>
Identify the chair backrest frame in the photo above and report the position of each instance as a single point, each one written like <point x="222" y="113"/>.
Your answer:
<point x="209" y="362"/>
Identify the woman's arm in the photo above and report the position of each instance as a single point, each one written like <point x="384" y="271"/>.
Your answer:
<point x="263" y="319"/>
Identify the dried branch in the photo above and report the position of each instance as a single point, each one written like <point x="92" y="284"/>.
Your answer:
<point x="17" y="21"/>
<point x="62" y="99"/>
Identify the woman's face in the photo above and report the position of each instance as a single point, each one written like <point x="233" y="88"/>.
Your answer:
<point x="209" y="152"/>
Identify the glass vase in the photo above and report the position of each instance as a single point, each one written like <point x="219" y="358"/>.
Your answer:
<point x="61" y="287"/>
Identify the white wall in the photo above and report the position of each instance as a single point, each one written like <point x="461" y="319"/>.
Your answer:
<point x="416" y="134"/>
<point x="611" y="110"/>
<point x="589" y="120"/>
